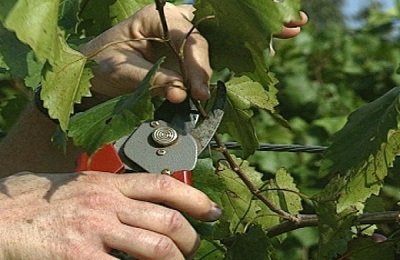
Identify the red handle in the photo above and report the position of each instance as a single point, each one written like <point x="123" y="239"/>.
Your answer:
<point x="107" y="160"/>
<point x="184" y="176"/>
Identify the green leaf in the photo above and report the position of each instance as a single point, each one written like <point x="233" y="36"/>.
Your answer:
<point x="289" y="201"/>
<point x="374" y="144"/>
<point x="35" y="23"/>
<point x="207" y="180"/>
<point x="68" y="15"/>
<point x="65" y="83"/>
<point x="366" y="248"/>
<point x="19" y="59"/>
<point x="14" y="53"/>
<point x="209" y="250"/>
<point x="113" y="119"/>
<point x="238" y="124"/>
<point x="244" y="35"/>
<point x="334" y="227"/>
<point x="237" y="204"/>
<point x="244" y="94"/>
<point x="123" y="9"/>
<point x="98" y="16"/>
<point x="254" y="245"/>
<point x="238" y="42"/>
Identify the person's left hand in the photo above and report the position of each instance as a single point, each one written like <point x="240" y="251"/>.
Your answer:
<point x="121" y="67"/>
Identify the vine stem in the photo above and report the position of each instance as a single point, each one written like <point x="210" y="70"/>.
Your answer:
<point x="167" y="38"/>
<point x="180" y="55"/>
<point x="311" y="220"/>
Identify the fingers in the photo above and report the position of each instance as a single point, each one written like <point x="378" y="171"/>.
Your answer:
<point x="143" y="244"/>
<point x="163" y="189"/>
<point x="196" y="58"/>
<point x="140" y="227"/>
<point x="160" y="220"/>
<point x="293" y="28"/>
<point x="197" y="66"/>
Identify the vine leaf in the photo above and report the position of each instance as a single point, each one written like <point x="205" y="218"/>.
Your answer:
<point x="243" y="94"/>
<point x="375" y="141"/>
<point x="240" y="206"/>
<point x="366" y="248"/>
<point x="289" y="201"/>
<point x="115" y="118"/>
<point x="96" y="17"/>
<point x="238" y="42"/>
<point x="237" y="201"/>
<point x="335" y="230"/>
<point x="65" y="83"/>
<point x="254" y="244"/>
<point x="334" y="227"/>
<point x="244" y="35"/>
<point x="37" y="27"/>
<point x="65" y="76"/>
<point x="286" y="200"/>
<point x="123" y="9"/>
<point x="209" y="250"/>
<point x="206" y="180"/>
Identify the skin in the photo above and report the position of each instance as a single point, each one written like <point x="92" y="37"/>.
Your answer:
<point x="70" y="215"/>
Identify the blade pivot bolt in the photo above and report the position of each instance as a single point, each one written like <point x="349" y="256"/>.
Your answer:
<point x="164" y="136"/>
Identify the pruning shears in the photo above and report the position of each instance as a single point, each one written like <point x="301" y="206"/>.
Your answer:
<point x="169" y="144"/>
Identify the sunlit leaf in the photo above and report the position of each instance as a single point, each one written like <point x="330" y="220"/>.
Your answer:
<point x="289" y="200"/>
<point x="65" y="83"/>
<point x="113" y="119"/>
<point x="35" y="23"/>
<point x="374" y="144"/>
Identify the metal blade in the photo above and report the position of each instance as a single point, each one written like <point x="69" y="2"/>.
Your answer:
<point x="206" y="130"/>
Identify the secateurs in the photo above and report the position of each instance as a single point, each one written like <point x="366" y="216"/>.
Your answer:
<point x="168" y="144"/>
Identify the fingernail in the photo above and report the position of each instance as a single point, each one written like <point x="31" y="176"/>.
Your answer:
<point x="195" y="248"/>
<point x="177" y="84"/>
<point x="215" y="212"/>
<point x="204" y="92"/>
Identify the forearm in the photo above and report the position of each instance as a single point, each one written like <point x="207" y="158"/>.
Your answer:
<point x="28" y="147"/>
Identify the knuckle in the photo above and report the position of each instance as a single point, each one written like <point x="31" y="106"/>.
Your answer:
<point x="164" y="183"/>
<point x="94" y="200"/>
<point x="173" y="221"/>
<point x="164" y="248"/>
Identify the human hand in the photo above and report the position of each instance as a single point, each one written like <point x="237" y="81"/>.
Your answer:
<point x="293" y="28"/>
<point x="84" y="216"/>
<point x="121" y="67"/>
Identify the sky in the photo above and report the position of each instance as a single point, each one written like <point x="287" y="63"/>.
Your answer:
<point x="352" y="6"/>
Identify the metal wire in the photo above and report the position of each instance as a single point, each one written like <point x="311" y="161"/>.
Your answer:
<point x="293" y="148"/>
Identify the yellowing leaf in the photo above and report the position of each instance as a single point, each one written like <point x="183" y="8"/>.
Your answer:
<point x="115" y="118"/>
<point x="65" y="83"/>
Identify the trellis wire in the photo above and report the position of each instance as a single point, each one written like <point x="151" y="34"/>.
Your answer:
<point x="293" y="148"/>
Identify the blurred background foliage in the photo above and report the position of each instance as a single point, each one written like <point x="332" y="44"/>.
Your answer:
<point x="325" y="73"/>
<point x="329" y="70"/>
<point x="334" y="66"/>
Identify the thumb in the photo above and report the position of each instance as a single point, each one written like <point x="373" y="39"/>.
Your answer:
<point x="169" y="84"/>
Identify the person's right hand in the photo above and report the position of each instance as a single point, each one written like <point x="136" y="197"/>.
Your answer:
<point x="84" y="216"/>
